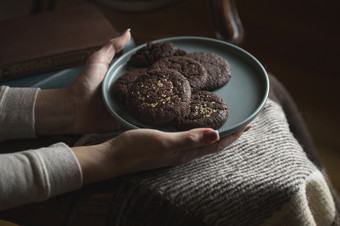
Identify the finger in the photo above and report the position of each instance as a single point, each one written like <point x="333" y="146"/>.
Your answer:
<point x="184" y="156"/>
<point x="219" y="145"/>
<point x="192" y="138"/>
<point x="98" y="63"/>
<point x="122" y="41"/>
<point x="108" y="51"/>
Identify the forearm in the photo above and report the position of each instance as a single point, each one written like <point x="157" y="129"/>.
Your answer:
<point x="54" y="112"/>
<point x="36" y="175"/>
<point x="29" y="112"/>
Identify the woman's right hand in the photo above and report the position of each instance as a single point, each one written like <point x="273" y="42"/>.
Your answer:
<point x="145" y="149"/>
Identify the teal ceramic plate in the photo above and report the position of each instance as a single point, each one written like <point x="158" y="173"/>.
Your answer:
<point x="245" y="94"/>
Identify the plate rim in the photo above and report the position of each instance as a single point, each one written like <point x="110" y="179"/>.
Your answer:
<point x="251" y="117"/>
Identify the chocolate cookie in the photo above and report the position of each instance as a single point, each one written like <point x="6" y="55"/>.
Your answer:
<point x="159" y="97"/>
<point x="191" y="69"/>
<point x="123" y="83"/>
<point x="217" y="67"/>
<point x="206" y="110"/>
<point x="150" y="53"/>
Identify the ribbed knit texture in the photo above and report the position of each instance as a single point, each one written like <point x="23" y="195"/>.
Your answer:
<point x="17" y="112"/>
<point x="36" y="175"/>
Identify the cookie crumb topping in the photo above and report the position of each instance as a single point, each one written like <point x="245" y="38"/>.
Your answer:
<point x="164" y="95"/>
<point x="203" y="111"/>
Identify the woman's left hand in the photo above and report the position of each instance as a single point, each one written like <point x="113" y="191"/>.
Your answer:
<point x="79" y="108"/>
<point x="92" y="115"/>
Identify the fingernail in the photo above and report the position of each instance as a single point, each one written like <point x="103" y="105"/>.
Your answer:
<point x="128" y="30"/>
<point x="210" y="136"/>
<point x="247" y="128"/>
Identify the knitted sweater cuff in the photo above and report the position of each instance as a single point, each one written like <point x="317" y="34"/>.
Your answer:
<point x="17" y="112"/>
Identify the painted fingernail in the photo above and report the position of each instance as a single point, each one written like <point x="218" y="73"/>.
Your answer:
<point x="211" y="136"/>
<point x="247" y="128"/>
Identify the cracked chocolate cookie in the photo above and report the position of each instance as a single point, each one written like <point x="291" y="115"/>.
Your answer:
<point x="191" y="69"/>
<point x="152" y="52"/>
<point x="217" y="67"/>
<point x="206" y="110"/>
<point x="123" y="83"/>
<point x="159" y="97"/>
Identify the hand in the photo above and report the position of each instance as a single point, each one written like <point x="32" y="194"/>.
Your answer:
<point x="91" y="113"/>
<point x="79" y="108"/>
<point x="145" y="149"/>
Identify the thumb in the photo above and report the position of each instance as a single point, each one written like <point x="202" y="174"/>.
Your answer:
<point x="193" y="138"/>
<point x="105" y="54"/>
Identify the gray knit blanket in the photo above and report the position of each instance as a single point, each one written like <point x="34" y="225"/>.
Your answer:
<point x="264" y="178"/>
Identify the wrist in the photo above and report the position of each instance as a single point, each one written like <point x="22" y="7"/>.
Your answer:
<point x="96" y="162"/>
<point x="54" y="112"/>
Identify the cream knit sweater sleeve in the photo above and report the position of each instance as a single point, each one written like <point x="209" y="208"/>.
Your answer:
<point x="32" y="175"/>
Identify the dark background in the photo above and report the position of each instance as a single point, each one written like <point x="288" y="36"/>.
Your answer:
<point x="298" y="41"/>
